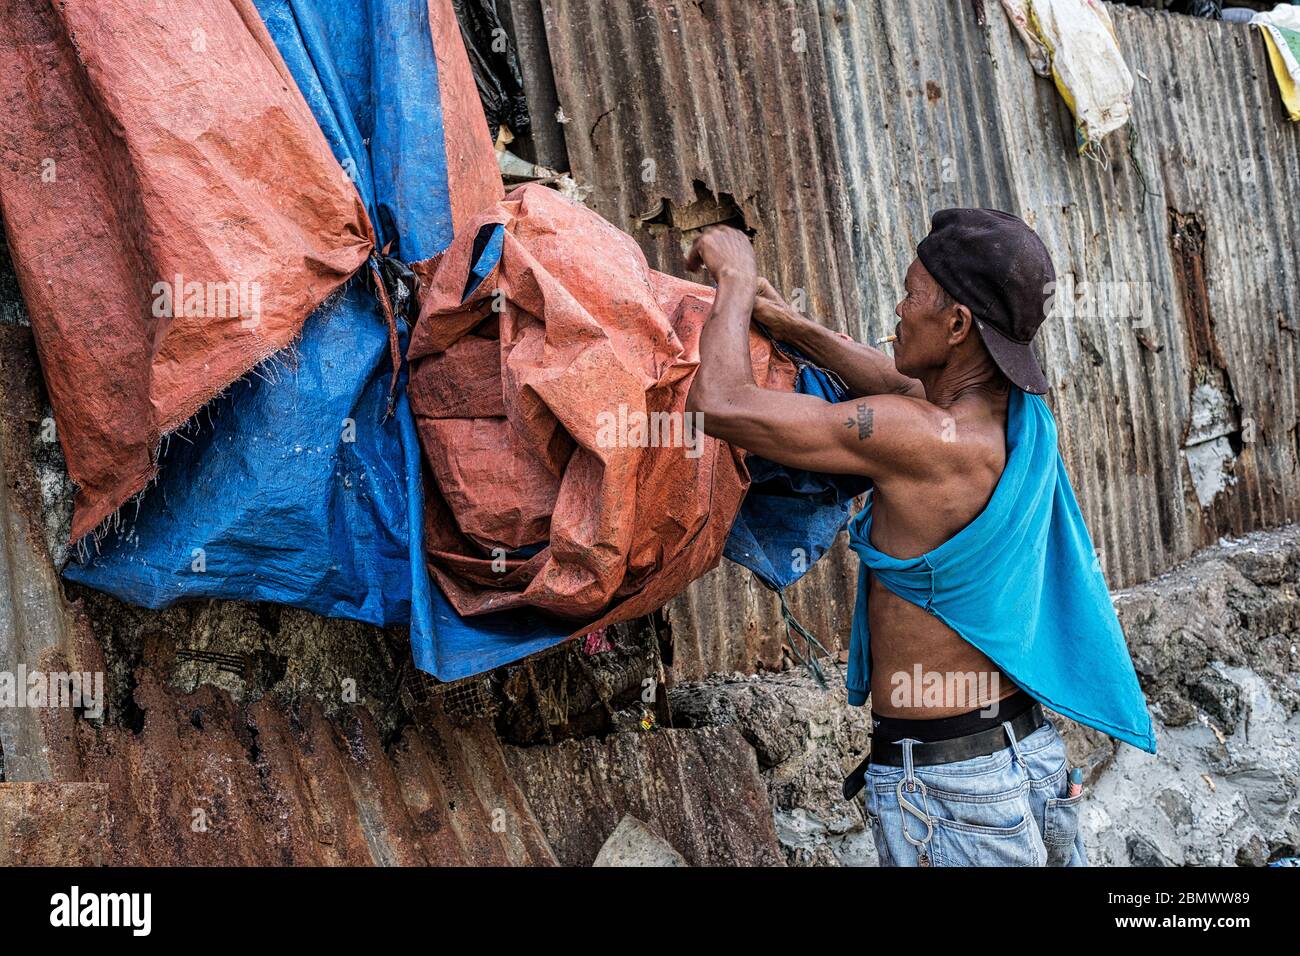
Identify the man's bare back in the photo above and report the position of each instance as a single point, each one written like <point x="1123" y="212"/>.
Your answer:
<point x="913" y="515"/>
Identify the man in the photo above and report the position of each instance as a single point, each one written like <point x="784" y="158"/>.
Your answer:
<point x="980" y="597"/>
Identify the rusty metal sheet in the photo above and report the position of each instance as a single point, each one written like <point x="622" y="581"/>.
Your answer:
<point x="207" y="782"/>
<point x="32" y="623"/>
<point x="721" y="816"/>
<point x="53" y="824"/>
<point x="841" y="125"/>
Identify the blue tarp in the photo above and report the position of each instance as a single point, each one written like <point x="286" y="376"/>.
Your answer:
<point x="368" y="72"/>
<point x="294" y="487"/>
<point x="296" y="492"/>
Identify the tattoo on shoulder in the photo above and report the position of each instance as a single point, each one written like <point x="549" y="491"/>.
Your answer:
<point x="862" y="422"/>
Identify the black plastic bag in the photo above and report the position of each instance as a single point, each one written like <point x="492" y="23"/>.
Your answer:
<point x="495" y="62"/>
<point x="1206" y="9"/>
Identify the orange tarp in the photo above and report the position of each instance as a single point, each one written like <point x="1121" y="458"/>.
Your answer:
<point x="173" y="211"/>
<point x="519" y="392"/>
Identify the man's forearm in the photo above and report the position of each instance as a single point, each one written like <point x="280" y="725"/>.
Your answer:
<point x="865" y="370"/>
<point x="725" y="363"/>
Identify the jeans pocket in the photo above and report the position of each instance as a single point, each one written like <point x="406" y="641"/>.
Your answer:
<point x="1060" y="827"/>
<point x="998" y="833"/>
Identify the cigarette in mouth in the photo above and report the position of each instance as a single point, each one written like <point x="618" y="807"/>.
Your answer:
<point x="885" y="341"/>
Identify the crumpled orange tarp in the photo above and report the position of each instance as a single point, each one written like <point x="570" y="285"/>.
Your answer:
<point x="159" y="142"/>
<point x="509" y="402"/>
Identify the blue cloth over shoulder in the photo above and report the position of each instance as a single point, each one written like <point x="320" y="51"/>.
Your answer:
<point x="1023" y="585"/>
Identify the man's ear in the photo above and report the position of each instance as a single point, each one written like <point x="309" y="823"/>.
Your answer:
<point x="960" y="323"/>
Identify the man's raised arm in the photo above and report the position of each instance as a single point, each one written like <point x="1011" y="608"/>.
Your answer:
<point x="865" y="370"/>
<point x="875" y="436"/>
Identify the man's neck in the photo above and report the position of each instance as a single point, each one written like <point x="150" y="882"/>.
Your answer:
<point x="945" y="386"/>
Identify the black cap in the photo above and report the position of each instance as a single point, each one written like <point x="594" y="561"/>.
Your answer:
<point x="995" y="265"/>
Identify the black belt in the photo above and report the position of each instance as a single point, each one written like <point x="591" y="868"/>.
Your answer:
<point x="979" y="744"/>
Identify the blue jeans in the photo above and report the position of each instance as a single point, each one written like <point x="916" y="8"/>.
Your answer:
<point x="1005" y="809"/>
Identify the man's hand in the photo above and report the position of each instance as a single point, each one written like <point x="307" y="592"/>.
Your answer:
<point x="783" y="322"/>
<point x="725" y="252"/>
<point x="772" y="310"/>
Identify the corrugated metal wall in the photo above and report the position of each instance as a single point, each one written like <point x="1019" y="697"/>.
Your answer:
<point x="839" y="126"/>
<point x="941" y="129"/>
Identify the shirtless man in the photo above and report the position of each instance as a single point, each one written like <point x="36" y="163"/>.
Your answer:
<point x="929" y="427"/>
